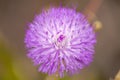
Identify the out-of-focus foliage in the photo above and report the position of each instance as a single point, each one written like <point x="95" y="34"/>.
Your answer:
<point x="6" y="69"/>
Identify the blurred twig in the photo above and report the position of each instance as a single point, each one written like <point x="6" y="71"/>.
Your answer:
<point x="117" y="77"/>
<point x="90" y="11"/>
<point x="92" y="8"/>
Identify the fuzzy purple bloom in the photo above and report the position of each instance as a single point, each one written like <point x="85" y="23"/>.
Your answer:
<point x="60" y="40"/>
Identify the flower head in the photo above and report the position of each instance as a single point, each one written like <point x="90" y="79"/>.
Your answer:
<point x="60" y="40"/>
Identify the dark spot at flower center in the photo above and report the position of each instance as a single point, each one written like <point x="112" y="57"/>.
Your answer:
<point x="60" y="38"/>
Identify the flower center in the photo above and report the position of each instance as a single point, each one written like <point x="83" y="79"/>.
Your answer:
<point x="60" y="42"/>
<point x="60" y="38"/>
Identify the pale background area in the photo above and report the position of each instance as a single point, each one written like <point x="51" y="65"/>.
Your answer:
<point x="16" y="14"/>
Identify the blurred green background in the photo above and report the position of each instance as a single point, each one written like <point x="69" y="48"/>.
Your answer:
<point x="14" y="17"/>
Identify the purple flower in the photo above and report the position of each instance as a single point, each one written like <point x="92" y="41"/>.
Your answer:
<point x="60" y="40"/>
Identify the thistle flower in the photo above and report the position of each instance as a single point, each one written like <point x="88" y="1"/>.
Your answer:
<point x="60" y="40"/>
